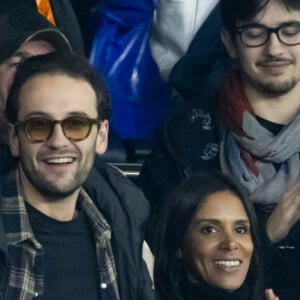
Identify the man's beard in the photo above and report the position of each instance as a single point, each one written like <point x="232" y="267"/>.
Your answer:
<point x="53" y="190"/>
<point x="274" y="88"/>
<point x="278" y="89"/>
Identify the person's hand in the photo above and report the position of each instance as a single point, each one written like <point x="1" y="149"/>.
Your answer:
<point x="269" y="293"/>
<point x="285" y="215"/>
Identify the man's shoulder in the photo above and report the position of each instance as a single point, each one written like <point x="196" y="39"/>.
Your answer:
<point x="112" y="175"/>
<point x="111" y="190"/>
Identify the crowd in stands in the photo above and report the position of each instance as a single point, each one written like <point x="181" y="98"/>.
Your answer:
<point x="212" y="210"/>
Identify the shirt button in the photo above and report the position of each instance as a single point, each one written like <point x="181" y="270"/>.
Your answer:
<point x="103" y="285"/>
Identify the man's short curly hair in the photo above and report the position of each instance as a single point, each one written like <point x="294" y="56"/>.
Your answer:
<point x="57" y="63"/>
<point x="233" y="10"/>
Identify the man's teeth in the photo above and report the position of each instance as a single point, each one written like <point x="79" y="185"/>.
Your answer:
<point x="228" y="263"/>
<point x="61" y="160"/>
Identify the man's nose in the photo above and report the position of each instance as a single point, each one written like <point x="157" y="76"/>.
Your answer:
<point x="273" y="47"/>
<point x="57" y="138"/>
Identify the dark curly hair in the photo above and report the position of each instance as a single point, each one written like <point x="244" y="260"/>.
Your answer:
<point x="232" y="10"/>
<point x="58" y="63"/>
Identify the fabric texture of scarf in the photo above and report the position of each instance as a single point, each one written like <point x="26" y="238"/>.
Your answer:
<point x="248" y="151"/>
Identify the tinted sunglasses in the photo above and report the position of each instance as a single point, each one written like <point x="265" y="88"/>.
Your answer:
<point x="39" y="129"/>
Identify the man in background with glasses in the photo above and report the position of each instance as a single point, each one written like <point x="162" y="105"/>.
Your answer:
<point x="64" y="241"/>
<point x="250" y="130"/>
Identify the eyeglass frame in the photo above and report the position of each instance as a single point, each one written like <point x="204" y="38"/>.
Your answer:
<point x="239" y="30"/>
<point x="22" y="124"/>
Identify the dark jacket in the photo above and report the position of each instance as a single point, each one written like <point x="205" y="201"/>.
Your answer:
<point x="126" y="210"/>
<point x="188" y="140"/>
<point x="201" y="290"/>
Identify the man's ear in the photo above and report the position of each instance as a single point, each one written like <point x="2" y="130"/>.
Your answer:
<point x="229" y="43"/>
<point x="13" y="139"/>
<point x="102" y="137"/>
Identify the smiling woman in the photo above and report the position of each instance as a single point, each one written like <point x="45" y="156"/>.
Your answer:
<point x="208" y="245"/>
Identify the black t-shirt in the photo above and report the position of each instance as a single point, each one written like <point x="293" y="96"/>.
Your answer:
<point x="70" y="264"/>
<point x="275" y="128"/>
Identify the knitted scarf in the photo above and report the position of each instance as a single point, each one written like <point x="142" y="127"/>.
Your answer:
<point x="248" y="151"/>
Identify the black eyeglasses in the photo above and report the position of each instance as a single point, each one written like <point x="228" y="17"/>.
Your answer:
<point x="256" y="35"/>
<point x="39" y="129"/>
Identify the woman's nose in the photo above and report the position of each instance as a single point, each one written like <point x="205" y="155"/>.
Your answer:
<point x="228" y="242"/>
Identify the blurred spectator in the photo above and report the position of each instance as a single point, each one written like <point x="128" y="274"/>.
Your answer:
<point x="64" y="17"/>
<point x="195" y="78"/>
<point x="174" y="27"/>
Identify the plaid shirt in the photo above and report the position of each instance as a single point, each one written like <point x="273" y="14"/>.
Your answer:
<point x="26" y="253"/>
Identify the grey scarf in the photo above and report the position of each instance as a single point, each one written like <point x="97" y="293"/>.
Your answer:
<point x="267" y="186"/>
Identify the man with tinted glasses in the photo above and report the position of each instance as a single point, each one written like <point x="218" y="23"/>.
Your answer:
<point x="23" y="33"/>
<point x="249" y="130"/>
<point x="65" y="241"/>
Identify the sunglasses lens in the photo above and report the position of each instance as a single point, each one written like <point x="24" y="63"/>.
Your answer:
<point x="38" y="129"/>
<point x="76" y="128"/>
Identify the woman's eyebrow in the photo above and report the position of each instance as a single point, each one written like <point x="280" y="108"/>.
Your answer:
<point x="218" y="221"/>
